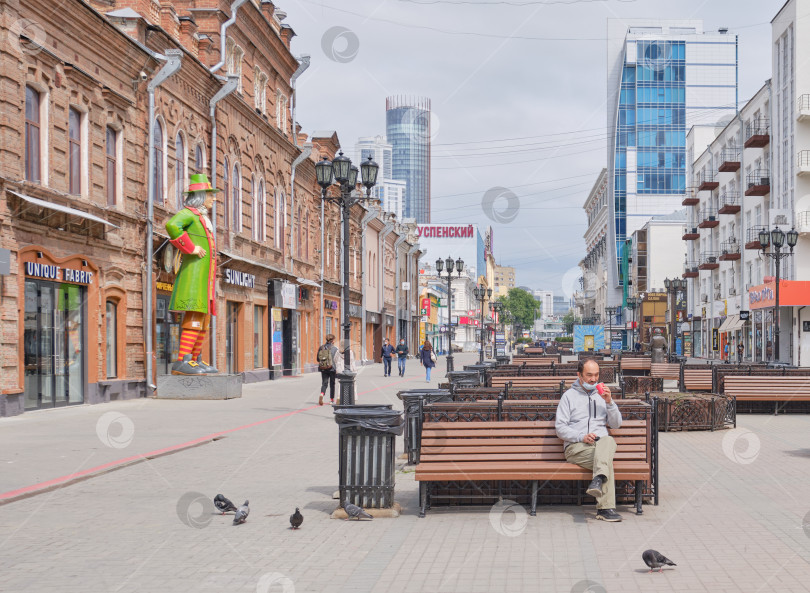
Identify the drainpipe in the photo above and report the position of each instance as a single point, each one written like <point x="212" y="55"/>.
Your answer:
<point x="230" y="86"/>
<point x="370" y="215"/>
<point x="298" y="160"/>
<point x="222" y="38"/>
<point x="303" y="64"/>
<point x="381" y="266"/>
<point x="173" y="60"/>
<point x="397" y="284"/>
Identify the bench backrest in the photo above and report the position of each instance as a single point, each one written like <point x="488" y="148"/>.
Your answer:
<point x="636" y="364"/>
<point x="529" y="381"/>
<point x="665" y="370"/>
<point x="697" y="378"/>
<point x="759" y="388"/>
<point x="520" y="441"/>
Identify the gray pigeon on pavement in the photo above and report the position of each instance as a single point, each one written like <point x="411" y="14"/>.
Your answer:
<point x="223" y="504"/>
<point x="241" y="514"/>
<point x="355" y="511"/>
<point x="655" y="559"/>
<point x="296" y="519"/>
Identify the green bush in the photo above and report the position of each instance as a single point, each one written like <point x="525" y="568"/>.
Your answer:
<point x="566" y="339"/>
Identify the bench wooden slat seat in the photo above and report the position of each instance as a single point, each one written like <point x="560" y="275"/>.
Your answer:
<point x="635" y="364"/>
<point x="522" y="450"/>
<point x="666" y="370"/>
<point x="542" y="382"/>
<point x="697" y="379"/>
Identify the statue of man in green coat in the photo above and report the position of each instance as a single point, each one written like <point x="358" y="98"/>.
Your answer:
<point x="192" y="233"/>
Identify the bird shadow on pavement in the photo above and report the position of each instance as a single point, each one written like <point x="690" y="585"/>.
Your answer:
<point x="647" y="570"/>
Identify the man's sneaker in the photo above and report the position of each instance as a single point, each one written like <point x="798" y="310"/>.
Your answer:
<point x="595" y="487"/>
<point x="608" y="515"/>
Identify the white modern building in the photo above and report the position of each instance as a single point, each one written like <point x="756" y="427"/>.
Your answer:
<point x="663" y="77"/>
<point x="728" y="205"/>
<point x="389" y="191"/>
<point x="591" y="300"/>
<point x="546" y="298"/>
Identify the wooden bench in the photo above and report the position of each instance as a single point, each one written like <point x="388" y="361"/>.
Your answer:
<point x="666" y="370"/>
<point x="537" y="360"/>
<point x="527" y="382"/>
<point x="768" y="389"/>
<point x="532" y="350"/>
<point x="469" y="394"/>
<point x="697" y="378"/>
<point x="635" y="364"/>
<point x="524" y="451"/>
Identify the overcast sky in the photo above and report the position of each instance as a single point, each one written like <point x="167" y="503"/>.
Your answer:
<point x="518" y="93"/>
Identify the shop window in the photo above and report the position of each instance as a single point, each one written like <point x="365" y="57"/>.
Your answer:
<point x="112" y="339"/>
<point x="258" y="336"/>
<point x="33" y="134"/>
<point x="112" y="166"/>
<point x="74" y="151"/>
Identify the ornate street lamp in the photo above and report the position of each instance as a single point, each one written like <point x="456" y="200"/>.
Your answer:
<point x="482" y="294"/>
<point x="345" y="174"/>
<point x="777" y="239"/>
<point x="632" y="303"/>
<point x="449" y="264"/>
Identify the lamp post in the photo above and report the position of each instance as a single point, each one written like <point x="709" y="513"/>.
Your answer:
<point x="481" y="294"/>
<point x="777" y="238"/>
<point x="342" y="171"/>
<point x="673" y="287"/>
<point x="496" y="307"/>
<point x="449" y="264"/>
<point x="632" y="303"/>
<point x="610" y="312"/>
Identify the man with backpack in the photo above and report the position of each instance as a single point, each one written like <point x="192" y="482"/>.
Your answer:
<point x="387" y="352"/>
<point x="327" y="365"/>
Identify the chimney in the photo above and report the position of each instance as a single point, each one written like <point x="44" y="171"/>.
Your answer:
<point x="188" y="35"/>
<point x="169" y="21"/>
<point x="287" y="34"/>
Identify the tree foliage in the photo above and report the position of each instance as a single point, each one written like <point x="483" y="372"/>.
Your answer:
<point x="522" y="306"/>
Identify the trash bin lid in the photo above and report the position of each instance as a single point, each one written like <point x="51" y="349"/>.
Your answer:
<point x="379" y="419"/>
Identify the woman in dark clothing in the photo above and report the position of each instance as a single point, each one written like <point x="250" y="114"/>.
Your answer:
<point x="428" y="359"/>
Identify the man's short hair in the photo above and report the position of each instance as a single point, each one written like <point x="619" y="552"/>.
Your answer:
<point x="581" y="364"/>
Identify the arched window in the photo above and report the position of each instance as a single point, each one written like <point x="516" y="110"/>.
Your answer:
<point x="158" y="168"/>
<point x="112" y="339"/>
<point x="179" y="169"/>
<point x="199" y="159"/>
<point x="298" y="241"/>
<point x="262" y="212"/>
<point x="236" y="199"/>
<point x="306" y="235"/>
<point x="226" y="187"/>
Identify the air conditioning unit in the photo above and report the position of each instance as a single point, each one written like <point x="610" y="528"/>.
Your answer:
<point x="732" y="290"/>
<point x="704" y="298"/>
<point x="717" y="286"/>
<point x="718" y="295"/>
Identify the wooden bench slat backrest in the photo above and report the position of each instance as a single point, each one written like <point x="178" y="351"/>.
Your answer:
<point x="763" y="388"/>
<point x="665" y="370"/>
<point x="635" y="364"/>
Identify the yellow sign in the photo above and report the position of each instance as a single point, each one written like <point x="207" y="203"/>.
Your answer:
<point x="164" y="286"/>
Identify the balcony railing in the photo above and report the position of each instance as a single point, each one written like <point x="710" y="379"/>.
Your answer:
<point x="729" y="160"/>
<point x="690" y="197"/>
<point x="707" y="181"/>
<point x="752" y="237"/>
<point x="804" y="162"/>
<point x="758" y="133"/>
<point x="803" y="106"/>
<point x="803" y="222"/>
<point x="709" y="260"/>
<point x="758" y="182"/>
<point x="708" y="218"/>
<point x="730" y="250"/>
<point x="690" y="232"/>
<point x="729" y="203"/>
<point x="690" y="269"/>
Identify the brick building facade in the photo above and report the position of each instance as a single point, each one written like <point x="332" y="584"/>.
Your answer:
<point x="73" y="199"/>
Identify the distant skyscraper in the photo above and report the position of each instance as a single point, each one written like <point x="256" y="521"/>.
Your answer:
<point x="388" y="190"/>
<point x="662" y="78"/>
<point x="407" y="122"/>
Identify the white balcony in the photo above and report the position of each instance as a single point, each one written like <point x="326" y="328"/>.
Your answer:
<point x="803" y="162"/>
<point x="803" y="222"/>
<point x="803" y="108"/>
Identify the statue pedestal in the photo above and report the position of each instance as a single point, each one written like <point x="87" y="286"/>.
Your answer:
<point x="199" y="387"/>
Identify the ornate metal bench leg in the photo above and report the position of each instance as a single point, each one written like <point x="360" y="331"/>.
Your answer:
<point x="639" y="490"/>
<point x="534" y="499"/>
<point x="423" y="499"/>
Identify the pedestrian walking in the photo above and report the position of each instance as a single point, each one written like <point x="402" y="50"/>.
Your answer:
<point x="740" y="350"/>
<point x="327" y="364"/>
<point x="387" y="352"/>
<point x="402" y="356"/>
<point x="428" y="359"/>
<point x="725" y="351"/>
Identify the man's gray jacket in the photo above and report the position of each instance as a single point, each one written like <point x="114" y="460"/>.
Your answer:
<point x="581" y="412"/>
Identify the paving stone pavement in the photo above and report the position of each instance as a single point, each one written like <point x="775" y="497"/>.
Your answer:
<point x="731" y="513"/>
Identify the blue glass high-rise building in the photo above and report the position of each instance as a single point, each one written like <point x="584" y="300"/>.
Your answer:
<point x="407" y="129"/>
<point x="663" y="77"/>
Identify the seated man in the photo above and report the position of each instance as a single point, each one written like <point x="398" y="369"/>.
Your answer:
<point x="582" y="419"/>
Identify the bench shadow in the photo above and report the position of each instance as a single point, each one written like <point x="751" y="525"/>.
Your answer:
<point x="799" y="453"/>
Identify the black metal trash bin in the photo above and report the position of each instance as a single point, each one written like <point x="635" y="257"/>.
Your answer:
<point x="413" y="417"/>
<point x="481" y="369"/>
<point x="367" y="454"/>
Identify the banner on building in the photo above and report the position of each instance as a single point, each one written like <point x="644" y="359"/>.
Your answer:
<point x="276" y="336"/>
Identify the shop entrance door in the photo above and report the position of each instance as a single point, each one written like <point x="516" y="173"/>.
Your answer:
<point x="287" y="333"/>
<point x="54" y="343"/>
<point x="167" y="330"/>
<point x="231" y="337"/>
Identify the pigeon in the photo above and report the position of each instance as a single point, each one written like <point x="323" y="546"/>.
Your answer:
<point x="296" y="519"/>
<point x="355" y="511"/>
<point x="241" y="514"/>
<point x="657" y="560"/>
<point x="223" y="504"/>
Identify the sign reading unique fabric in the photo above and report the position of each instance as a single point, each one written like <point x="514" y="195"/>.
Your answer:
<point x="58" y="274"/>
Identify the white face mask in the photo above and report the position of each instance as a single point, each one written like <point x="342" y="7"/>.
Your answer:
<point x="588" y="386"/>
